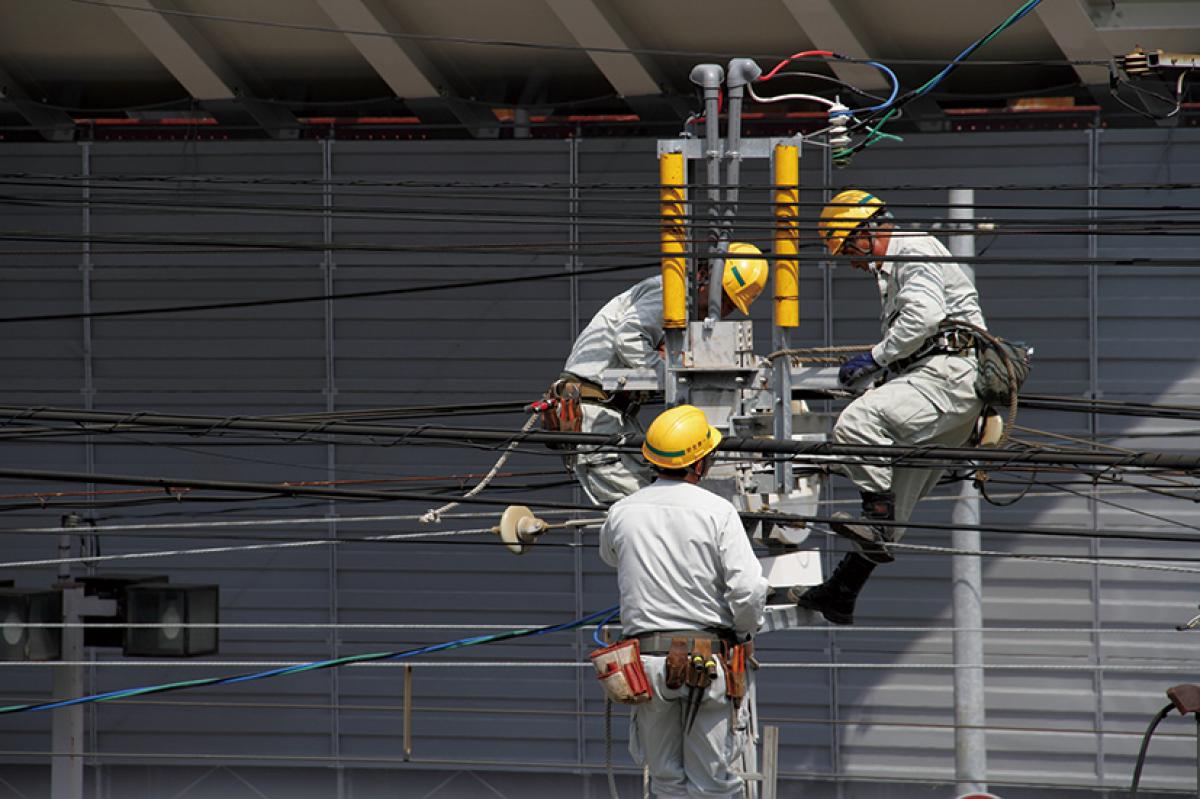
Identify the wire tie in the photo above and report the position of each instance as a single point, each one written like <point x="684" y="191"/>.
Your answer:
<point x="314" y="429"/>
<point x="228" y="420"/>
<point x="415" y="431"/>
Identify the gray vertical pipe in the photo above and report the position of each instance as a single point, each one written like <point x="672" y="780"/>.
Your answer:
<point x="709" y="77"/>
<point x="970" y="741"/>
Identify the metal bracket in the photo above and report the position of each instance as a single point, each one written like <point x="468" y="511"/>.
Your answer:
<point x="693" y="149"/>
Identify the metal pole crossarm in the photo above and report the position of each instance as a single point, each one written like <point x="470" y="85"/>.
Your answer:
<point x="909" y="455"/>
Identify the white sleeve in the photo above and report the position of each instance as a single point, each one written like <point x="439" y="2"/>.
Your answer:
<point x="920" y="308"/>
<point x="745" y="586"/>
<point x="608" y="552"/>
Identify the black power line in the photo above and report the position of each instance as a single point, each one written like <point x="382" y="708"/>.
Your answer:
<point x="906" y="455"/>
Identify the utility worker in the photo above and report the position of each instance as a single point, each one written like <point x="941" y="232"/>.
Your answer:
<point x="688" y="579"/>
<point x="627" y="334"/>
<point x="928" y="397"/>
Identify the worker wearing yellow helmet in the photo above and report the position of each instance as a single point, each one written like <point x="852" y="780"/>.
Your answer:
<point x="627" y="334"/>
<point x="688" y="581"/>
<point x="923" y="373"/>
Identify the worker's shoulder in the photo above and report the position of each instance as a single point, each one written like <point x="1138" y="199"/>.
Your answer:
<point x="677" y="494"/>
<point x="915" y="242"/>
<point x="649" y="286"/>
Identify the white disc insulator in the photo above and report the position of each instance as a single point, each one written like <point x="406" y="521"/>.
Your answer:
<point x="519" y="528"/>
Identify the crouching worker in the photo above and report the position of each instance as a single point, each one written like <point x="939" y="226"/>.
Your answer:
<point x="627" y="334"/>
<point x="691" y="589"/>
<point x="928" y="397"/>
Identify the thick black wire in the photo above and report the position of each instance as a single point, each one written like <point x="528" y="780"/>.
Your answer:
<point x="1147" y="221"/>
<point x="86" y="180"/>
<point x="1141" y="758"/>
<point x="143" y="184"/>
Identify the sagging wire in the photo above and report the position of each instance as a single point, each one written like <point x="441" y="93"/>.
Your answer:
<point x="1115" y="82"/>
<point x="318" y="665"/>
<point x="408" y="189"/>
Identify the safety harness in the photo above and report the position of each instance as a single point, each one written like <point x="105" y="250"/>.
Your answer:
<point x="950" y="341"/>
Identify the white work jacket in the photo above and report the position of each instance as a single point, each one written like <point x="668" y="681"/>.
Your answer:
<point x="683" y="561"/>
<point x="625" y="333"/>
<point x="918" y="295"/>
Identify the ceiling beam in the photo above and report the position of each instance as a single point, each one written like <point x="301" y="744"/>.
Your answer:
<point x="405" y="67"/>
<point x="1164" y="15"/>
<point x="634" y="76"/>
<point x="199" y="68"/>
<point x="1075" y="33"/>
<point x="828" y="29"/>
<point x="52" y="124"/>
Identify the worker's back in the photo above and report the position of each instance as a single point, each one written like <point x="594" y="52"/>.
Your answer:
<point x="683" y="561"/>
<point x="624" y="333"/>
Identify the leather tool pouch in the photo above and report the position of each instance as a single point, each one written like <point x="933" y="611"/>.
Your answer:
<point x="735" y="672"/>
<point x="620" y="671"/>
<point x="677" y="663"/>
<point x="702" y="665"/>
<point x="560" y="411"/>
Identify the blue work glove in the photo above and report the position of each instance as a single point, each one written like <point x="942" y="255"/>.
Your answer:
<point x="857" y="368"/>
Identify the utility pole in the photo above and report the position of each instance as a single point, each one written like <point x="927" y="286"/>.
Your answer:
<point x="66" y="730"/>
<point x="970" y="740"/>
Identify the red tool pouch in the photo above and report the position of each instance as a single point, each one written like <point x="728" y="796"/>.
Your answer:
<point x="619" y="669"/>
<point x="735" y="671"/>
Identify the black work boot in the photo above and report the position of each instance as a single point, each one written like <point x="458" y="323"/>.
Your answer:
<point x="871" y="539"/>
<point x="834" y="599"/>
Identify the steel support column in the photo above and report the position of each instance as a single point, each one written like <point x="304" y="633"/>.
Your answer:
<point x="970" y="741"/>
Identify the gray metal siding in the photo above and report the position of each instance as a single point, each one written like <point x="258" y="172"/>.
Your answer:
<point x="893" y="719"/>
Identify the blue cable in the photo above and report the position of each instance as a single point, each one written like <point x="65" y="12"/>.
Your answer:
<point x="606" y="614"/>
<point x="975" y="45"/>
<point x="895" y="90"/>
<point x="600" y="625"/>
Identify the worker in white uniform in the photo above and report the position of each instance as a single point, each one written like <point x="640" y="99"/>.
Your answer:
<point x="685" y="571"/>
<point x="627" y="334"/>
<point x="928" y="396"/>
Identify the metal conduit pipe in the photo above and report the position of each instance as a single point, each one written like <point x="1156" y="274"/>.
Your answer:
<point x="709" y="77"/>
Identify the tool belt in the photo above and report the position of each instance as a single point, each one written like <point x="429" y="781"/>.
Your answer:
<point x="660" y="643"/>
<point x="945" y="342"/>
<point x="620" y="671"/>
<point x="692" y="659"/>
<point x="623" y="402"/>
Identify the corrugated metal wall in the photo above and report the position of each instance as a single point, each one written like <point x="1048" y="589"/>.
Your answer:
<point x="1065" y="709"/>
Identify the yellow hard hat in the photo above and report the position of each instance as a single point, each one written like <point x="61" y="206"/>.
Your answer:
<point x="844" y="214"/>
<point x="745" y="275"/>
<point x="679" y="437"/>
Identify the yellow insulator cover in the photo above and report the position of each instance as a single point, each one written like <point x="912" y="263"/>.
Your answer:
<point x="786" y="178"/>
<point x="672" y="168"/>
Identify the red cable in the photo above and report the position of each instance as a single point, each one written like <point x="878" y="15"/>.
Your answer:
<point x="791" y="58"/>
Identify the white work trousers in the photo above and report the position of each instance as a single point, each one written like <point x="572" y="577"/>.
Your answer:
<point x="933" y="403"/>
<point x="698" y="765"/>
<point x="609" y="476"/>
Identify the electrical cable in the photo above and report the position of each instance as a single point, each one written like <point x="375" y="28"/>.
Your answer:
<point x="403" y="433"/>
<point x="888" y="111"/>
<point x="307" y="667"/>
<point x="1141" y="758"/>
<point x="449" y="286"/>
